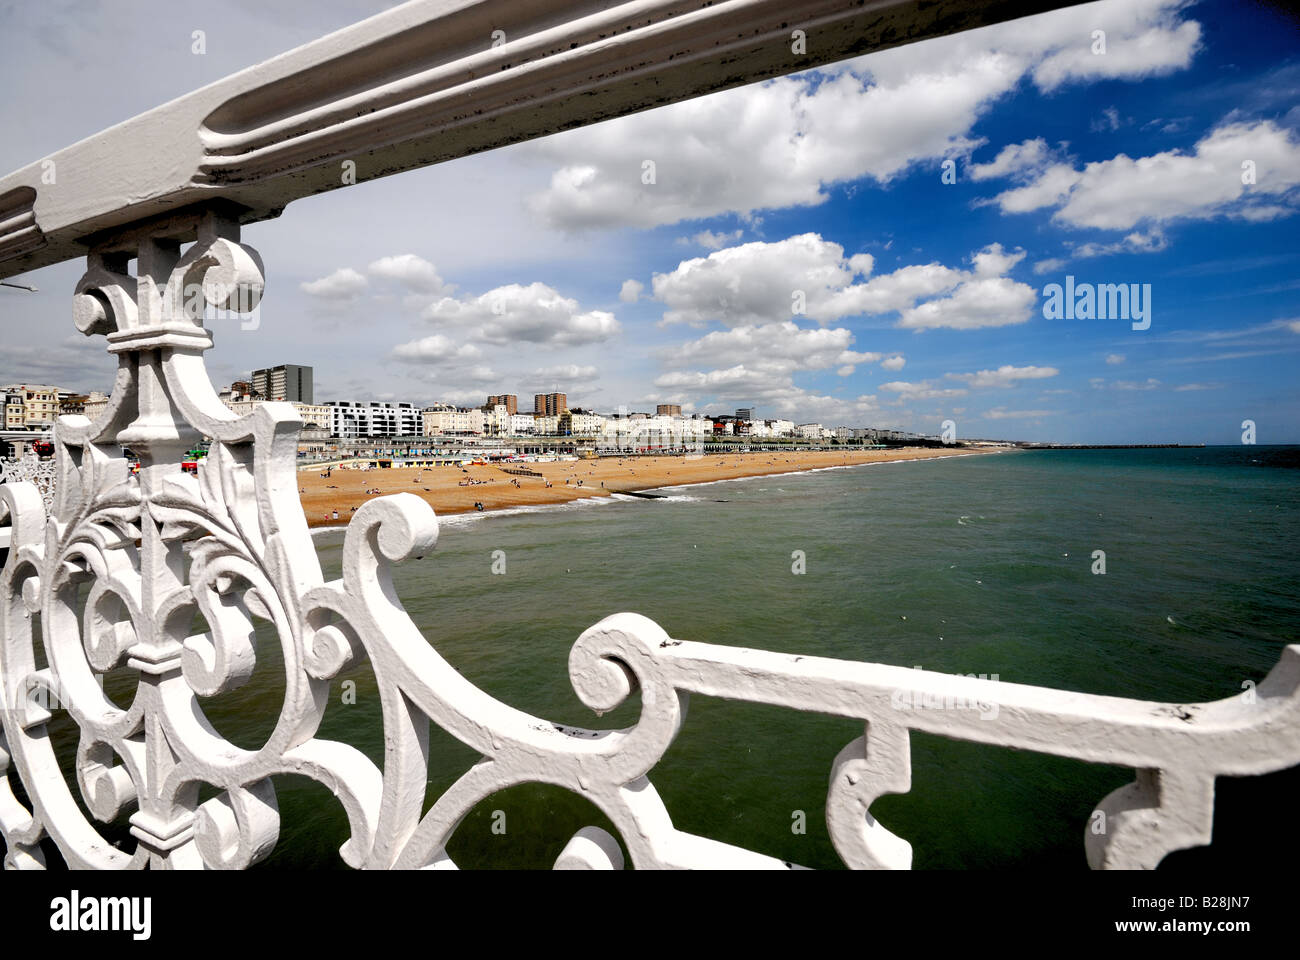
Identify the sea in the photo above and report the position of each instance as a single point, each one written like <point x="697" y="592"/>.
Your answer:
<point x="984" y="565"/>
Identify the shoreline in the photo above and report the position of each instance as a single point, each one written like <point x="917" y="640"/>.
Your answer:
<point x="565" y="482"/>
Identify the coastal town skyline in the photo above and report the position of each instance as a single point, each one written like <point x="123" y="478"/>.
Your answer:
<point x="28" y="408"/>
<point x="762" y="247"/>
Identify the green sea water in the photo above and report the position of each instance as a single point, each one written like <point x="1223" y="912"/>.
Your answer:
<point x="974" y="565"/>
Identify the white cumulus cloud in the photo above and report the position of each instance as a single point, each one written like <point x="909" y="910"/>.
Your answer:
<point x="1205" y="183"/>
<point x="981" y="302"/>
<point x="759" y="282"/>
<point x="437" y="349"/>
<point x="784" y="142"/>
<point x="343" y="284"/>
<point x="513" y="313"/>
<point x="414" y="272"/>
<point x="1011" y="159"/>
<point x="782" y="346"/>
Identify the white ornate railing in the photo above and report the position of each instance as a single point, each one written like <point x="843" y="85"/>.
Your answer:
<point x="119" y="566"/>
<point x="33" y="469"/>
<point x="250" y="555"/>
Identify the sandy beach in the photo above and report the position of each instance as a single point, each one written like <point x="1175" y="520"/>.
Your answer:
<point x="446" y="489"/>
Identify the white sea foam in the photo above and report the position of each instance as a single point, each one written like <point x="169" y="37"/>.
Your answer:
<point x="465" y="519"/>
<point x="795" y="473"/>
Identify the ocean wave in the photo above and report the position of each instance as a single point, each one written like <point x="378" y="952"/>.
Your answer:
<point x="473" y="516"/>
<point x="797" y="473"/>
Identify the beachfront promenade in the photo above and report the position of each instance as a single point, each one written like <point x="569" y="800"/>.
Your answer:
<point x="118" y="570"/>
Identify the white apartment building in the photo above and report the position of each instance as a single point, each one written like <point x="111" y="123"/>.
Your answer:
<point x="351" y="419"/>
<point x="95" y="404"/>
<point x="522" y="425"/>
<point x="496" y="420"/>
<point x="781" y="428"/>
<point x="316" y="415"/>
<point x="808" y="431"/>
<point x="662" y="431"/>
<point x="241" y="406"/>
<point x="586" y="424"/>
<point x="39" y="405"/>
<point x="448" y="420"/>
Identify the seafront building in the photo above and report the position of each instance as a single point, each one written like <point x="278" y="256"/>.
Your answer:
<point x="359" y="418"/>
<point x="550" y="404"/>
<point x="579" y="423"/>
<point x="640" y="433"/>
<point x="30" y="406"/>
<point x="289" y="382"/>
<point x="72" y="403"/>
<point x="318" y="417"/>
<point x="442" y="419"/>
<point x="14" y="417"/>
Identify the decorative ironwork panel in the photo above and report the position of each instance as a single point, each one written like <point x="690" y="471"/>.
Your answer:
<point x="31" y="469"/>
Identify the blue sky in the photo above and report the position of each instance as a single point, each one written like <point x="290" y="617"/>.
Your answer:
<point x="554" y="265"/>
